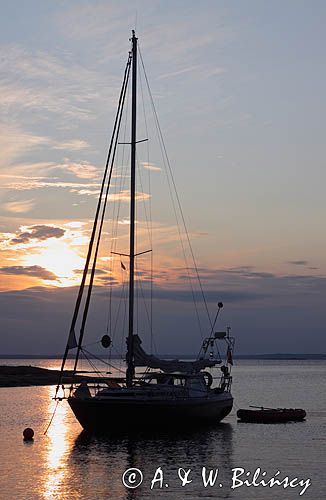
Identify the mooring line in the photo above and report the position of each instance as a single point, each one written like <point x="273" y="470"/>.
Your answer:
<point x="51" y="419"/>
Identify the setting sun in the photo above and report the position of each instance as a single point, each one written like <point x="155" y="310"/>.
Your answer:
<point x="59" y="258"/>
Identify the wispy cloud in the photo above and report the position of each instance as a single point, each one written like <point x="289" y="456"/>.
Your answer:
<point x="151" y="166"/>
<point x="124" y="196"/>
<point x="42" y="82"/>
<point x="32" y="271"/>
<point x="27" y="170"/>
<point x="247" y="272"/>
<point x="165" y="34"/>
<point x="72" y="145"/>
<point x="82" y="191"/>
<point x="181" y="71"/>
<point x="14" y="142"/>
<point x="89" y="20"/>
<point x="19" y="207"/>
<point x="33" y="183"/>
<point x="83" y="170"/>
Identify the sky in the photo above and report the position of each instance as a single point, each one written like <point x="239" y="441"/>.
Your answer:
<point x="239" y="91"/>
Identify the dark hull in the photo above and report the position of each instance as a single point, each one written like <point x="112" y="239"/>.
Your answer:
<point x="275" y="416"/>
<point x="106" y="415"/>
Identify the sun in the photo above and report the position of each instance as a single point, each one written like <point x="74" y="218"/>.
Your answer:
<point x="59" y="258"/>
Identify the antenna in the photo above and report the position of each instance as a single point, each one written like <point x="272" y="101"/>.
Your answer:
<point x="136" y="17"/>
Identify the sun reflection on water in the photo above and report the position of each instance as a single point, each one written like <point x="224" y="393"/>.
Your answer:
<point x="57" y="450"/>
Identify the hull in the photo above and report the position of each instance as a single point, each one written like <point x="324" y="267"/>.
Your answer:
<point x="108" y="414"/>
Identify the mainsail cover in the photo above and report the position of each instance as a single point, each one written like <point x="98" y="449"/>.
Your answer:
<point x="141" y="358"/>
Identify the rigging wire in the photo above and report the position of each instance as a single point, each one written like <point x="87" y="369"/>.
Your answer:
<point x="99" y="359"/>
<point x="90" y="286"/>
<point x="139" y="277"/>
<point x="91" y="242"/>
<point x="124" y="321"/>
<point x="166" y="161"/>
<point x="176" y="203"/>
<point x="160" y="138"/>
<point x="122" y="296"/>
<point x="146" y="308"/>
<point x="115" y="224"/>
<point x="121" y="299"/>
<point x="115" y="218"/>
<point x="150" y="211"/>
<point x="115" y="229"/>
<point x="72" y="336"/>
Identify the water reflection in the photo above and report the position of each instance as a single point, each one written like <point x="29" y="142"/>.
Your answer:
<point x="57" y="448"/>
<point x="66" y="464"/>
<point x="191" y="449"/>
<point x="83" y="466"/>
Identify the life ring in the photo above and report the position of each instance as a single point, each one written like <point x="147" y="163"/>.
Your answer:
<point x="208" y="378"/>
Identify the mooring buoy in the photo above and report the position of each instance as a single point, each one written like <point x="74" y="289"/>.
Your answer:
<point x="28" y="434"/>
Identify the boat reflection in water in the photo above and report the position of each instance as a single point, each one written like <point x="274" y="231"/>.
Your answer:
<point x="112" y="455"/>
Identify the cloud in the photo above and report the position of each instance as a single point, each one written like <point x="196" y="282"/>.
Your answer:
<point x="124" y="196"/>
<point x="211" y="296"/>
<point x="107" y="280"/>
<point x="38" y="232"/>
<point x="97" y="271"/>
<point x="89" y="20"/>
<point x="180" y="71"/>
<point x="151" y="166"/>
<point x="86" y="192"/>
<point x="41" y="82"/>
<point x="26" y="170"/>
<point x="166" y="34"/>
<point x="264" y="314"/>
<point x="248" y="272"/>
<point x="83" y="170"/>
<point x="246" y="278"/>
<point x="14" y="142"/>
<point x="72" y="145"/>
<point x="19" y="207"/>
<point x="75" y="224"/>
<point x="25" y="183"/>
<point x="33" y="271"/>
<point x="298" y="262"/>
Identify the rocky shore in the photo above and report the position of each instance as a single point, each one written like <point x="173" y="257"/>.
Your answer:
<point x="21" y="376"/>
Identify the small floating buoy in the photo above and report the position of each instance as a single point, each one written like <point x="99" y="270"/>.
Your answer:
<point x="106" y="341"/>
<point x="28" y="434"/>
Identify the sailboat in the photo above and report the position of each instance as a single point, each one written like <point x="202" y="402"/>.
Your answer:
<point x="151" y="390"/>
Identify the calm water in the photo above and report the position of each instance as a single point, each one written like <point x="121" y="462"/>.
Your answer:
<point x="65" y="464"/>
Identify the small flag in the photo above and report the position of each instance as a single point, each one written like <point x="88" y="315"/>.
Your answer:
<point x="229" y="357"/>
<point x="123" y="266"/>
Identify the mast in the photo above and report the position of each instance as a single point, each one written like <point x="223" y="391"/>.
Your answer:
<point x="130" y="355"/>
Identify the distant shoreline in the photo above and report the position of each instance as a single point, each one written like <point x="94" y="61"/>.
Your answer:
<point x="27" y="376"/>
<point x="24" y="376"/>
<point x="274" y="356"/>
